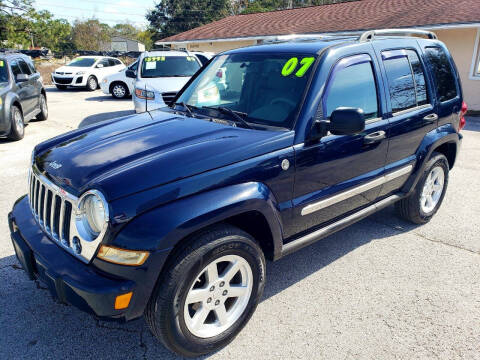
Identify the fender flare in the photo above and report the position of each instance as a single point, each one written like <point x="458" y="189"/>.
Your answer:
<point x="164" y="227"/>
<point x="431" y="141"/>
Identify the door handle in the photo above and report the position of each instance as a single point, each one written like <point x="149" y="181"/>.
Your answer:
<point x="374" y="137"/>
<point x="431" y="118"/>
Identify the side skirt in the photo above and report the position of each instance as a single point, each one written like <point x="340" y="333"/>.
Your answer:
<point x="337" y="226"/>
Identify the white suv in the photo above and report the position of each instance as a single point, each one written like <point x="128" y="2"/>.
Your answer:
<point x="86" y="71"/>
<point x="160" y="75"/>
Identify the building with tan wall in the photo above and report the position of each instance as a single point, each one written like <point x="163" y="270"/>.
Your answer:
<point x="456" y="23"/>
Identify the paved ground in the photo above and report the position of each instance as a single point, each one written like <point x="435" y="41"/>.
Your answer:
<point x="382" y="289"/>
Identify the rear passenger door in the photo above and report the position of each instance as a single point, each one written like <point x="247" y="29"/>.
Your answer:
<point x="445" y="81"/>
<point x="411" y="113"/>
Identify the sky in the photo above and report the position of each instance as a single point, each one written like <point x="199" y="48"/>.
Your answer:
<point x="107" y="11"/>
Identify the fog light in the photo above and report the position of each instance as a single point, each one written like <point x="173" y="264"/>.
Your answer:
<point x="122" y="301"/>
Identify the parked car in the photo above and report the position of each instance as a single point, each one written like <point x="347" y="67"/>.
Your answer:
<point x="160" y="75"/>
<point x="118" y="84"/>
<point x="86" y="71"/>
<point x="172" y="213"/>
<point x="22" y="95"/>
<point x="203" y="56"/>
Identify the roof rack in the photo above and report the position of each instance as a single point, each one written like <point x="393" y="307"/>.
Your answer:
<point x="370" y="35"/>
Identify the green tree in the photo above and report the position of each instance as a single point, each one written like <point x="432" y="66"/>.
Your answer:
<point x="90" y="35"/>
<point x="170" y="17"/>
<point x="145" y="37"/>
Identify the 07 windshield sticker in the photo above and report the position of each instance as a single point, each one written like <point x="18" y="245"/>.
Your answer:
<point x="292" y="64"/>
<point x="2" y="63"/>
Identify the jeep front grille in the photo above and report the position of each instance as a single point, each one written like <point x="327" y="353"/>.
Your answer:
<point x="52" y="208"/>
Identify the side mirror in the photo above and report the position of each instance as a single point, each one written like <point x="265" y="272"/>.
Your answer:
<point x="347" y="121"/>
<point x="343" y="121"/>
<point x="21" y="78"/>
<point x="130" y="74"/>
<point x="100" y="66"/>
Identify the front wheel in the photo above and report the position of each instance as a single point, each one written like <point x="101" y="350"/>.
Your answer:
<point x="119" y="91"/>
<point x="424" y="202"/>
<point x="17" y="129"/>
<point x="92" y="83"/>
<point x="208" y="292"/>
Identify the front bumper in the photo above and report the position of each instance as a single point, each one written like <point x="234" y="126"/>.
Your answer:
<point x="68" y="279"/>
<point x="105" y="87"/>
<point x="69" y="80"/>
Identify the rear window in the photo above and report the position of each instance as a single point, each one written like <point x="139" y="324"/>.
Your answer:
<point x="442" y="71"/>
<point x="169" y="66"/>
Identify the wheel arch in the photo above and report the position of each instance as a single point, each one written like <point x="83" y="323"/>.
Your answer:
<point x="250" y="207"/>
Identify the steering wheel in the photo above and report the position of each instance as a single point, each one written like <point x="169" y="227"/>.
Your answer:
<point x="283" y="100"/>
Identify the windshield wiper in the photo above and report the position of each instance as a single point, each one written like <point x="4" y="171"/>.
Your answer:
<point x="231" y="112"/>
<point x="187" y="108"/>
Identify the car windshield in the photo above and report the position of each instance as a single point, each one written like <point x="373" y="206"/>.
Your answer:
<point x="3" y="71"/>
<point x="264" y="89"/>
<point x="169" y="66"/>
<point x="82" y="62"/>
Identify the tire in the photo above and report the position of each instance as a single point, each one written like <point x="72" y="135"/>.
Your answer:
<point x="92" y="83"/>
<point x="61" y="87"/>
<point x="17" y="129"/>
<point x="170" y="315"/>
<point x="417" y="208"/>
<point x="43" y="115"/>
<point x="119" y="90"/>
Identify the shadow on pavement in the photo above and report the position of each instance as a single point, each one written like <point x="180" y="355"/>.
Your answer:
<point x="31" y="316"/>
<point x="472" y="124"/>
<point x="103" y="98"/>
<point x="93" y="119"/>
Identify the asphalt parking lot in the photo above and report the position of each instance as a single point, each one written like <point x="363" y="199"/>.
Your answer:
<point x="381" y="289"/>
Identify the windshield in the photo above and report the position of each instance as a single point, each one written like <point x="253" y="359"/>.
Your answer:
<point x="265" y="88"/>
<point x="169" y="66"/>
<point x="3" y="71"/>
<point x="82" y="62"/>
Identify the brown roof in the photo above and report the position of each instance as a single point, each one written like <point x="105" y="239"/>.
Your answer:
<point x="355" y="15"/>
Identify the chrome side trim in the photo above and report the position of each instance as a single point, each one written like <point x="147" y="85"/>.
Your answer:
<point x="416" y="108"/>
<point x="356" y="191"/>
<point x="316" y="235"/>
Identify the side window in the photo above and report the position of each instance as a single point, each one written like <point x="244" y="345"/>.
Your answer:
<point x="31" y="65"/>
<point x="400" y="83"/>
<point x="117" y="62"/>
<point x="134" y="66"/>
<point x="353" y="86"/>
<point x="419" y="77"/>
<point x="111" y="62"/>
<point x="445" y="82"/>
<point x="15" y="68"/>
<point x="25" y="69"/>
<point x="104" y="62"/>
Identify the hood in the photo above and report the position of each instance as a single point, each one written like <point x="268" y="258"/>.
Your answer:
<point x="71" y="69"/>
<point x="138" y="152"/>
<point x="163" y="84"/>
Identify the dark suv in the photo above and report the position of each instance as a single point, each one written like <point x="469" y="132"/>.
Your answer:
<point x="22" y="96"/>
<point x="171" y="213"/>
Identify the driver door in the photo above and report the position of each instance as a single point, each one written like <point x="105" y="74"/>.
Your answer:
<point x="340" y="174"/>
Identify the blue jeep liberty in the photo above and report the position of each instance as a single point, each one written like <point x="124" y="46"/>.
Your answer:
<point x="171" y="213"/>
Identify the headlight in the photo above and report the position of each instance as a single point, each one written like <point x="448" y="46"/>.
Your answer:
<point x="92" y="215"/>
<point x="80" y="73"/>
<point x="144" y="94"/>
<point x="122" y="256"/>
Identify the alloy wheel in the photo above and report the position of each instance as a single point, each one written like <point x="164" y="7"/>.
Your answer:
<point x="219" y="296"/>
<point x="432" y="189"/>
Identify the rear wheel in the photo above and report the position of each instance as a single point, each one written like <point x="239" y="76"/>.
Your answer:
<point x="119" y="90"/>
<point x="61" y="87"/>
<point x="43" y="115"/>
<point x="428" y="195"/>
<point x="17" y="129"/>
<point x="92" y="83"/>
<point x="208" y="292"/>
